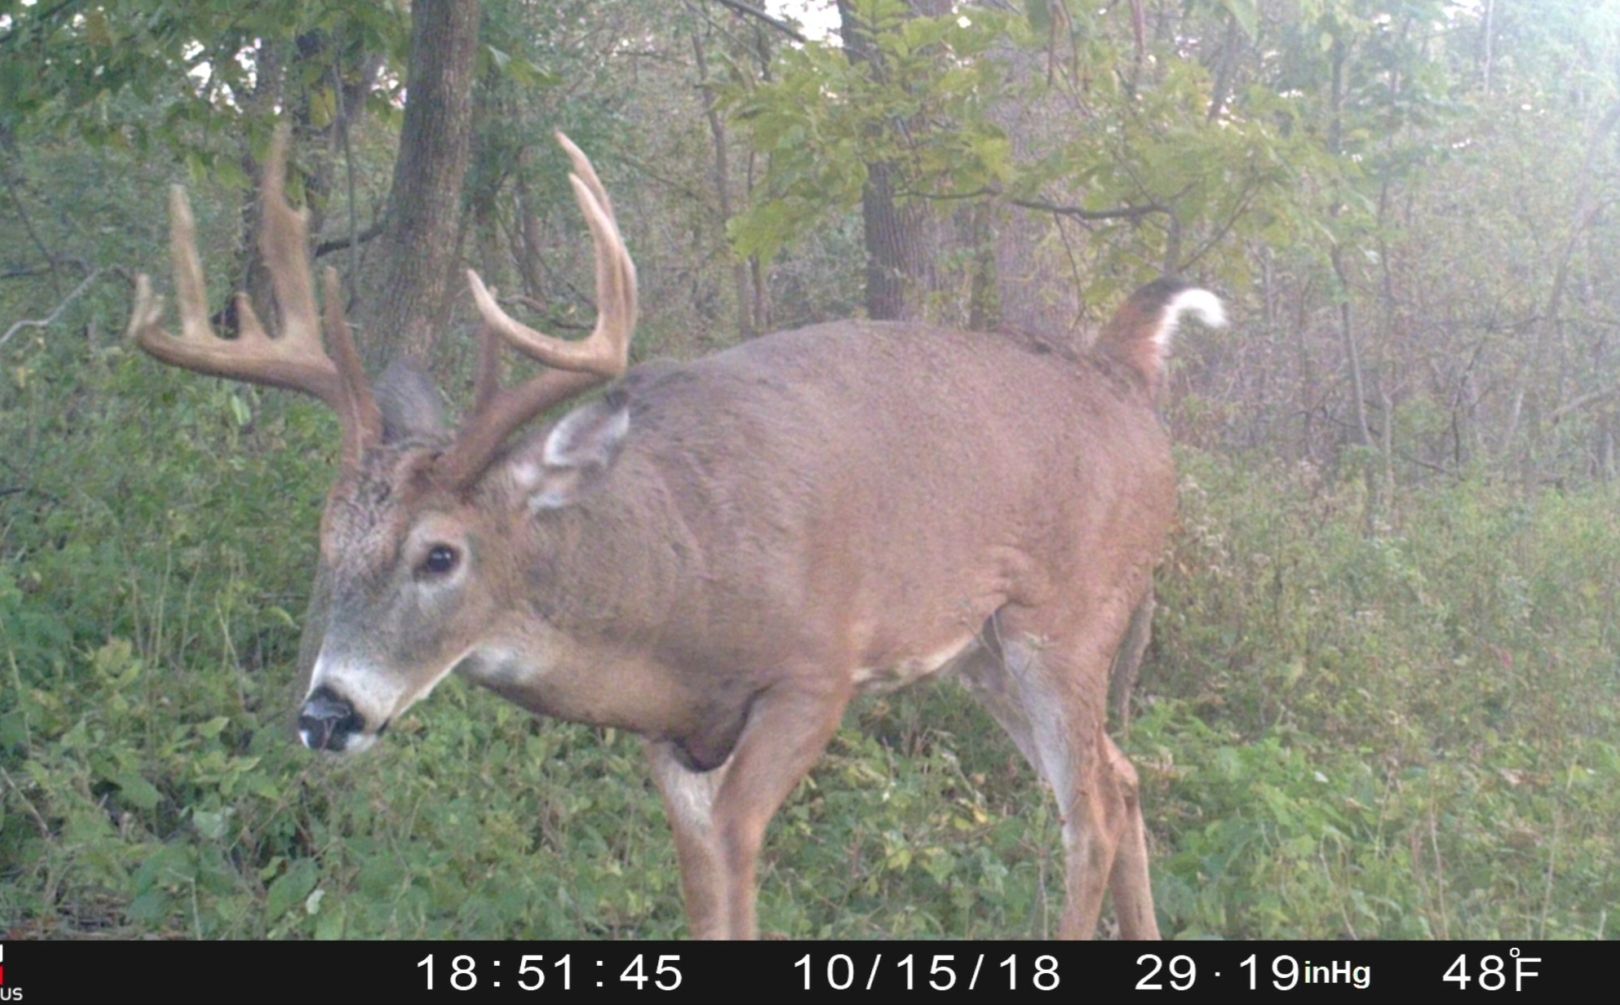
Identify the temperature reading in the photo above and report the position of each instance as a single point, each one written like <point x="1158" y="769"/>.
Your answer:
<point x="1493" y="971"/>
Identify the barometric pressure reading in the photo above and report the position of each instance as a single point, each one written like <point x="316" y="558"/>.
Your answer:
<point x="1278" y="972"/>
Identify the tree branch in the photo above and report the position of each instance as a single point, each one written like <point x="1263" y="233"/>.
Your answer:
<point x="339" y="243"/>
<point x="43" y="16"/>
<point x="1121" y="213"/>
<point x="50" y="318"/>
<point x="30" y="271"/>
<point x="540" y="308"/>
<point x="28" y="226"/>
<point x="1226" y="228"/>
<point x="1077" y="212"/>
<point x="775" y="22"/>
<point x="1581" y="402"/>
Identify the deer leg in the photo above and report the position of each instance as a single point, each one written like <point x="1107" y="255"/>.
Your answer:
<point x="788" y="729"/>
<point x="1049" y="695"/>
<point x="689" y="803"/>
<point x="1131" y="886"/>
<point x="1128" y="662"/>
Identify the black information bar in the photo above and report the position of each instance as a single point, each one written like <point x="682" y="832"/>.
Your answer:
<point x="395" y="972"/>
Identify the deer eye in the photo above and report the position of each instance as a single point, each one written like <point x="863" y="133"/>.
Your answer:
<point x="441" y="558"/>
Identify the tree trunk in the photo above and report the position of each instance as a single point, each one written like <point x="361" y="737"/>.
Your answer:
<point x="888" y="242"/>
<point x="1347" y="332"/>
<point x="984" y="293"/>
<point x="1547" y="327"/>
<point x="722" y="184"/>
<point x="895" y="262"/>
<point x="406" y="300"/>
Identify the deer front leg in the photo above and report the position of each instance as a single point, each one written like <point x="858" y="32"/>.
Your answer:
<point x="719" y="817"/>
<point x="788" y="729"/>
<point x="689" y="802"/>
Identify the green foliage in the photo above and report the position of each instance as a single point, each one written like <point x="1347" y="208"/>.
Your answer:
<point x="931" y="100"/>
<point x="184" y="77"/>
<point x="1394" y="735"/>
<point x="920" y="102"/>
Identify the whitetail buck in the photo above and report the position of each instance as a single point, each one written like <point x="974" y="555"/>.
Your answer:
<point x="718" y="555"/>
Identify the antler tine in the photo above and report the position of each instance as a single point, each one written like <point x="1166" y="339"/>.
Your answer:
<point x="603" y="355"/>
<point x="586" y="171"/>
<point x="284" y="243"/>
<point x="488" y="383"/>
<point x="296" y="359"/>
<point x="606" y="351"/>
<point x="359" y="415"/>
<point x="189" y="286"/>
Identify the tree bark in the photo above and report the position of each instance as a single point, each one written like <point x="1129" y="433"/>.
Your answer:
<point x="1347" y="332"/>
<point x="722" y="184"/>
<point x="406" y="300"/>
<point x="895" y="264"/>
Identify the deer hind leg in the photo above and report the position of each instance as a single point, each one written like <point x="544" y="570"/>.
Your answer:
<point x="1049" y="695"/>
<point x="719" y="817"/>
<point x="1129" y="881"/>
<point x="1127" y="666"/>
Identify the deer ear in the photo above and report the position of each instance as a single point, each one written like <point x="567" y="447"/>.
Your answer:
<point x="571" y="460"/>
<point x="410" y="404"/>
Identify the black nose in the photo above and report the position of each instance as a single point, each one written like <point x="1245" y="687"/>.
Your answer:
<point x="327" y="720"/>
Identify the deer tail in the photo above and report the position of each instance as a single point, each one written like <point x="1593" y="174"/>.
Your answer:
<point x="1139" y="333"/>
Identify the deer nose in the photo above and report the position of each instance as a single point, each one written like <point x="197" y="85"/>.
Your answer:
<point x="327" y="720"/>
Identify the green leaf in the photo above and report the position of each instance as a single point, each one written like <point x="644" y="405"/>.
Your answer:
<point x="95" y="24"/>
<point x="329" y="923"/>
<point x="291" y="888"/>
<point x="213" y="727"/>
<point x="137" y="791"/>
<point x="1039" y="13"/>
<point x="1245" y="13"/>
<point x="210" y="823"/>
<point x="322" y="107"/>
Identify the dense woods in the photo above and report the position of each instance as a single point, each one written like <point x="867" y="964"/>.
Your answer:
<point x="1380" y="700"/>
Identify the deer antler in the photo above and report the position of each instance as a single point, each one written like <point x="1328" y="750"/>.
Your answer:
<point x="578" y="366"/>
<point x="296" y="359"/>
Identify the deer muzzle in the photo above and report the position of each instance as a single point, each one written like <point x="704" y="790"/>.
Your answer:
<point x="328" y="721"/>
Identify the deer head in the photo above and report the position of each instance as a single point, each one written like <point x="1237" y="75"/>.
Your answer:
<point x="412" y="535"/>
